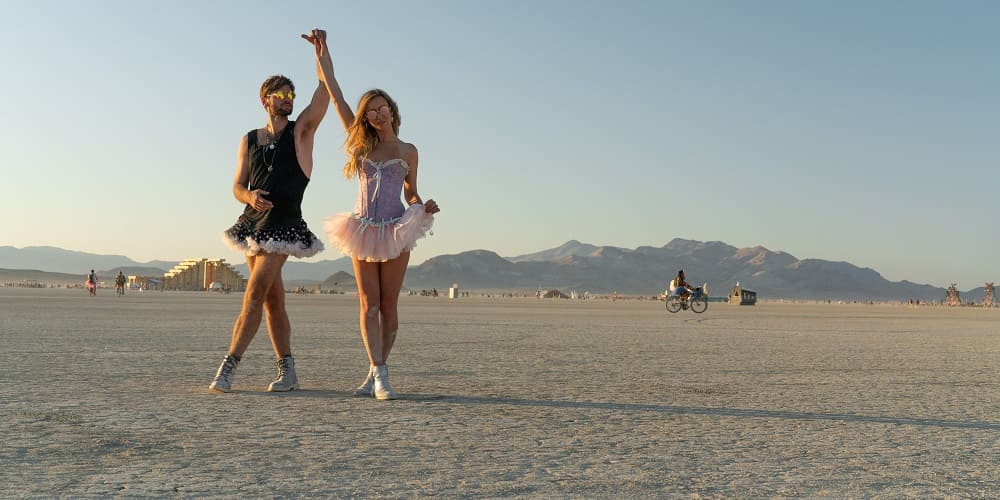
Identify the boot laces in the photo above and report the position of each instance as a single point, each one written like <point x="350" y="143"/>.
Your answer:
<point x="227" y="368"/>
<point x="282" y="367"/>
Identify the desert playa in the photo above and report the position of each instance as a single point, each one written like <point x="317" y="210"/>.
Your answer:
<point x="529" y="398"/>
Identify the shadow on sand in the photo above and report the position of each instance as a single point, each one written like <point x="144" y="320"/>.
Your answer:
<point x="656" y="408"/>
<point x="715" y="412"/>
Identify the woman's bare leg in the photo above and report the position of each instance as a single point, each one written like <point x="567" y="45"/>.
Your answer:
<point x="391" y="282"/>
<point x="369" y="295"/>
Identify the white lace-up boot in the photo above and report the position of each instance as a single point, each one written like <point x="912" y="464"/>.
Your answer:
<point x="383" y="391"/>
<point x="367" y="388"/>
<point x="223" y="381"/>
<point x="286" y="379"/>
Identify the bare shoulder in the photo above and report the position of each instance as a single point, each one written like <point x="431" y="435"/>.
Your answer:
<point x="244" y="142"/>
<point x="408" y="152"/>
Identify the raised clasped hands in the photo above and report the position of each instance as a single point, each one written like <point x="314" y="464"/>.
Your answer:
<point x="317" y="37"/>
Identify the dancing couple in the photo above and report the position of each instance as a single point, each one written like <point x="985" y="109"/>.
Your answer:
<point x="274" y="164"/>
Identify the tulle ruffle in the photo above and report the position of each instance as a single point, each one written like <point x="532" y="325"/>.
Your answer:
<point x="297" y="241"/>
<point x="378" y="242"/>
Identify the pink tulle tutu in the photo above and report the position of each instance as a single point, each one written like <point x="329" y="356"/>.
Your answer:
<point x="378" y="242"/>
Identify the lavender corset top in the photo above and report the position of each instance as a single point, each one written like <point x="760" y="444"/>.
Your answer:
<point x="380" y="185"/>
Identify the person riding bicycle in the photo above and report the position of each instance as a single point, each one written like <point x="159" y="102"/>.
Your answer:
<point x="681" y="287"/>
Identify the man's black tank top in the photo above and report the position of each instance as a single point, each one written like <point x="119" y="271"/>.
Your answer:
<point x="284" y="181"/>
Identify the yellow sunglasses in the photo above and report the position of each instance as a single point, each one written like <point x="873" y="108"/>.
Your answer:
<point x="281" y="94"/>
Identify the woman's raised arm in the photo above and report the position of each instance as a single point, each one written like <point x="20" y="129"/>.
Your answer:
<point x="325" y="63"/>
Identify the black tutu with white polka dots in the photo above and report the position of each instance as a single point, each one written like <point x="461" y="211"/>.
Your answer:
<point x="296" y="240"/>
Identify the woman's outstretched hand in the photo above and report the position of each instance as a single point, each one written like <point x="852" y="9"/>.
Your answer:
<point x="431" y="207"/>
<point x="317" y="37"/>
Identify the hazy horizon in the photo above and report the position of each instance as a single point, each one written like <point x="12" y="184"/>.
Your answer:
<point x="239" y="262"/>
<point x="852" y="132"/>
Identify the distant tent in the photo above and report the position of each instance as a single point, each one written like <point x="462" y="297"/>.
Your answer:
<point x="554" y="294"/>
<point x="339" y="279"/>
<point x="339" y="282"/>
<point x="216" y="285"/>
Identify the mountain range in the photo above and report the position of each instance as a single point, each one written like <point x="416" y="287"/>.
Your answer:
<point x="573" y="266"/>
<point x="583" y="267"/>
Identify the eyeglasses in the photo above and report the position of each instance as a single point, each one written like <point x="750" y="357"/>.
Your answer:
<point x="281" y="95"/>
<point x="373" y="114"/>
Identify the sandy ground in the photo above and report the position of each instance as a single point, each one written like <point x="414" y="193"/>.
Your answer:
<point x="108" y="396"/>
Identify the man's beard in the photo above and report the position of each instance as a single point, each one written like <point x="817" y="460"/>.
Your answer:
<point x="281" y="111"/>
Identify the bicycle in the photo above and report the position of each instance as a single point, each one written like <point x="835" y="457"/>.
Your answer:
<point x="697" y="301"/>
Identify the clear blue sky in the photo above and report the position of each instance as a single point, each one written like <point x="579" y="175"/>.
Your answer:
<point x="852" y="130"/>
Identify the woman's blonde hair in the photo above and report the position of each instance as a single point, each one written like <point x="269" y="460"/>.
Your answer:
<point x="361" y="136"/>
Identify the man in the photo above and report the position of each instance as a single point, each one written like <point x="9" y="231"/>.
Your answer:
<point x="120" y="283"/>
<point x="273" y="168"/>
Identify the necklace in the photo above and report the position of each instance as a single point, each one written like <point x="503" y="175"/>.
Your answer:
<point x="273" y="146"/>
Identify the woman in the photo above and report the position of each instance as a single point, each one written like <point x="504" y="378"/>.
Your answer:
<point x="92" y="283"/>
<point x="682" y="288"/>
<point x="380" y="233"/>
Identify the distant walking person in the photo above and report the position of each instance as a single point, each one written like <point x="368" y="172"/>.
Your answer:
<point x="92" y="283"/>
<point x="120" y="283"/>
<point x="273" y="168"/>
<point x="380" y="233"/>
